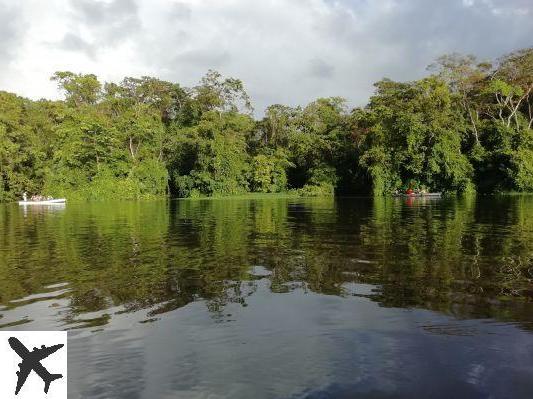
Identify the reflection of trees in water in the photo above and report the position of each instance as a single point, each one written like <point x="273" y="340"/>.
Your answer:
<point x="467" y="257"/>
<point x="458" y="261"/>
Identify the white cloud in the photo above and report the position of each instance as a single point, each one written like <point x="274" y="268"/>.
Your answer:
<point x="285" y="51"/>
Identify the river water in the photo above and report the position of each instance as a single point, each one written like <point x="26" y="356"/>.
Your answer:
<point x="279" y="297"/>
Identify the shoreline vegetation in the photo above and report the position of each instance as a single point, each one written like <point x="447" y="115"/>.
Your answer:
<point x="467" y="127"/>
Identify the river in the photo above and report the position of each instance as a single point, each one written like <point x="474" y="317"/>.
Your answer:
<point x="279" y="297"/>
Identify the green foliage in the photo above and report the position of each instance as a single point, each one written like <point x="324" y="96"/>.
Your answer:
<point x="523" y="169"/>
<point x="414" y="134"/>
<point x="466" y="128"/>
<point x="316" y="190"/>
<point x="214" y="161"/>
<point x="151" y="176"/>
<point x="217" y="93"/>
<point x="268" y="172"/>
<point x="79" y="89"/>
<point x="26" y="138"/>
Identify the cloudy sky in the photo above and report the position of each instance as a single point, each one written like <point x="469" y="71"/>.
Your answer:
<point x="285" y="51"/>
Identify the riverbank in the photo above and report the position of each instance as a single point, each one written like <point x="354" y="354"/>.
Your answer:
<point x="297" y="193"/>
<point x="281" y="195"/>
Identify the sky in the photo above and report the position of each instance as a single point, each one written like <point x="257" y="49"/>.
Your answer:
<point x="286" y="52"/>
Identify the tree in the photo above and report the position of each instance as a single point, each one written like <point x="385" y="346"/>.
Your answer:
<point x="268" y="171"/>
<point x="79" y="89"/>
<point x="512" y="86"/>
<point x="465" y="76"/>
<point x="466" y="126"/>
<point x="222" y="94"/>
<point x="414" y="134"/>
<point x="216" y="151"/>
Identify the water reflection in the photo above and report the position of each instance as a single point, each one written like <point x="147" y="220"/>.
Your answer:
<point x="322" y="296"/>
<point x="463" y="257"/>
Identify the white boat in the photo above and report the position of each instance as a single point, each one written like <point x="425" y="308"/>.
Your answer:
<point x="54" y="201"/>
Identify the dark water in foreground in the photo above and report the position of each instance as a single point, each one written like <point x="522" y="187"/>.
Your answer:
<point x="279" y="298"/>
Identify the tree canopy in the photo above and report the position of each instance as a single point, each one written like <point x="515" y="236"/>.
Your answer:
<point x="467" y="126"/>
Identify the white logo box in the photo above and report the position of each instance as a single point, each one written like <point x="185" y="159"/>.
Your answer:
<point x="33" y="345"/>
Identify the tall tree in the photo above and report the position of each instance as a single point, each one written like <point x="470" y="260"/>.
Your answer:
<point x="79" y="88"/>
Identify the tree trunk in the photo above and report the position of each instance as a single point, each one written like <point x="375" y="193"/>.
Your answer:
<point x="131" y="148"/>
<point x="474" y="126"/>
<point x="529" y="108"/>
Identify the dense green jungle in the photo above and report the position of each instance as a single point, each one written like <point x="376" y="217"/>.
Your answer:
<point x="466" y="127"/>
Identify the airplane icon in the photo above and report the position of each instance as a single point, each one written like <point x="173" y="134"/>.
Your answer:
<point x="32" y="361"/>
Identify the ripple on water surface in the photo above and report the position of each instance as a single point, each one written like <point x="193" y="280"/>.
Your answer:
<point x="279" y="298"/>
